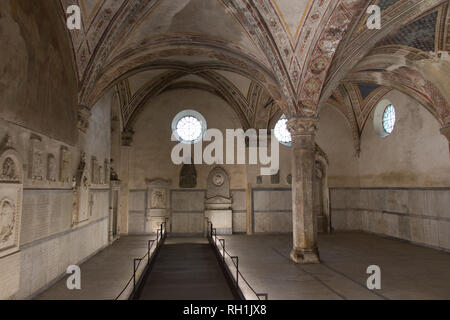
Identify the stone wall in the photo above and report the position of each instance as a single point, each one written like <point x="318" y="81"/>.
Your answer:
<point x="48" y="241"/>
<point x="404" y="181"/>
<point x="272" y="210"/>
<point x="239" y="208"/>
<point x="49" y="244"/>
<point x="152" y="145"/>
<point x="137" y="205"/>
<point x="419" y="215"/>
<point x="38" y="119"/>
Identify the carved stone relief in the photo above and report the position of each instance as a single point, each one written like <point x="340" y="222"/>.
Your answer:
<point x="95" y="176"/>
<point x="8" y="170"/>
<point x="81" y="184"/>
<point x="218" y="201"/>
<point x="157" y="204"/>
<point x="11" y="187"/>
<point x="36" y="159"/>
<point x="51" y="168"/>
<point x="158" y="199"/>
<point x="113" y="176"/>
<point x="65" y="165"/>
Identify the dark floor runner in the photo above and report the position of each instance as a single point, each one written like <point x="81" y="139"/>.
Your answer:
<point x="186" y="272"/>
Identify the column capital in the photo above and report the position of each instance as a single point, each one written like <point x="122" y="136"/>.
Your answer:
<point x="127" y="137"/>
<point x="84" y="113"/>
<point x="303" y="126"/>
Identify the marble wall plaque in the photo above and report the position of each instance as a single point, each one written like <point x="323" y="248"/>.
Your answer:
<point x="10" y="200"/>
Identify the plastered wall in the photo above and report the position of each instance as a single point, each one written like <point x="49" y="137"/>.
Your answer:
<point x="38" y="88"/>
<point x="404" y="182"/>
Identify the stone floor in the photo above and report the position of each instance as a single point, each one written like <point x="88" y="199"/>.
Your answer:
<point x="407" y="271"/>
<point x="105" y="275"/>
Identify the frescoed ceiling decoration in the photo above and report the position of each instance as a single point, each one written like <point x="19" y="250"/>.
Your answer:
<point x="264" y="57"/>
<point x="366" y="89"/>
<point x="411" y="34"/>
<point x="421" y="34"/>
<point x="385" y="4"/>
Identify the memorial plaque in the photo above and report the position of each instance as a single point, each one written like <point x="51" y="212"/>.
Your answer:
<point x="10" y="199"/>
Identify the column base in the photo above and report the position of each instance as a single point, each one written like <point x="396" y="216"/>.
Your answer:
<point x="305" y="256"/>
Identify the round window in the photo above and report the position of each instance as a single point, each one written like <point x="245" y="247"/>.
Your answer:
<point x="282" y="133"/>
<point x="389" y="119"/>
<point x="189" y="126"/>
<point x="384" y="118"/>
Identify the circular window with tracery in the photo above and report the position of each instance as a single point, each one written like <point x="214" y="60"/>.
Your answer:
<point x="384" y="118"/>
<point x="189" y="126"/>
<point x="282" y="133"/>
<point x="389" y="119"/>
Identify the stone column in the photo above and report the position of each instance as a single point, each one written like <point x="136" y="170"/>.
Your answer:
<point x="114" y="208"/>
<point x="303" y="132"/>
<point x="124" y="172"/>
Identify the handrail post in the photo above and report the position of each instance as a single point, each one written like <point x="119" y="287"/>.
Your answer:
<point x="222" y="242"/>
<point x="237" y="270"/>
<point x="134" y="273"/>
<point x="165" y="222"/>
<point x="150" y="245"/>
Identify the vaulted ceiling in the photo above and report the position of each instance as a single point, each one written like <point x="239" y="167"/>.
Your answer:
<point x="264" y="57"/>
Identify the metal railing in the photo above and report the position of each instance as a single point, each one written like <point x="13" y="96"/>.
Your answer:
<point x="161" y="235"/>
<point x="212" y="237"/>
